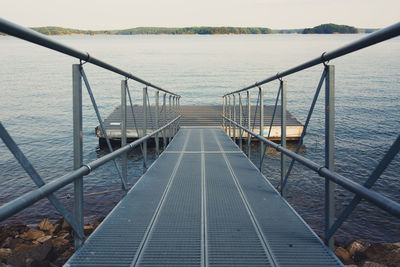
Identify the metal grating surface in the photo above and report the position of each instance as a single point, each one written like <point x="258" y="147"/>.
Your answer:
<point x="203" y="203"/>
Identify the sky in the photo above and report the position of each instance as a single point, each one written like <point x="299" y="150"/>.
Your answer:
<point x="275" y="14"/>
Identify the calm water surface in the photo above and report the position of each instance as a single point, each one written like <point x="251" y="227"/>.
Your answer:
<point x="35" y="96"/>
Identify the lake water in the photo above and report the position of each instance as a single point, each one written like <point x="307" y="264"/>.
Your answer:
<point x="35" y="97"/>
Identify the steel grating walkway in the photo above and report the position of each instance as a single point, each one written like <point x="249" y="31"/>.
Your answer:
<point x="203" y="203"/>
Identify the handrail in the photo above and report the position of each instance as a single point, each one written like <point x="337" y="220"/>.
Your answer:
<point x="32" y="36"/>
<point x="373" y="38"/>
<point x="33" y="196"/>
<point x="381" y="201"/>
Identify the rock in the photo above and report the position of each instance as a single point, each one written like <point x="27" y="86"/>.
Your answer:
<point x="60" y="245"/>
<point x="372" y="264"/>
<point x="356" y="246"/>
<point x="19" y="228"/>
<point x="43" y="239"/>
<point x="32" y="234"/>
<point x="13" y="242"/>
<point x="46" y="225"/>
<point x="383" y="253"/>
<point x="5" y="253"/>
<point x="57" y="228"/>
<point x="343" y="255"/>
<point x="25" y="251"/>
<point x="65" y="225"/>
<point x="88" y="229"/>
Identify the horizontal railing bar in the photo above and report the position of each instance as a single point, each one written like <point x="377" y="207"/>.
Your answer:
<point x="384" y="203"/>
<point x="373" y="38"/>
<point x="32" y="36"/>
<point x="35" y="195"/>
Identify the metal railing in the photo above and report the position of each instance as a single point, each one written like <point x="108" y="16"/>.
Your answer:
<point x="231" y="123"/>
<point x="164" y="129"/>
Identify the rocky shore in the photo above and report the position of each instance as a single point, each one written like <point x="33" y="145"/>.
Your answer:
<point x="51" y="245"/>
<point x="363" y="254"/>
<point x="47" y="245"/>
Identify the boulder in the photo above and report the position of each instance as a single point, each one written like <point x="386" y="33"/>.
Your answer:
<point x="44" y="238"/>
<point x="32" y="234"/>
<point x="356" y="246"/>
<point x="65" y="225"/>
<point x="5" y="253"/>
<point x="372" y="264"/>
<point x="25" y="251"/>
<point x="383" y="253"/>
<point x="46" y="225"/>
<point x="343" y="255"/>
<point x="88" y="229"/>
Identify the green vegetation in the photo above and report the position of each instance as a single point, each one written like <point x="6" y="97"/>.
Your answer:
<point x="331" y="28"/>
<point x="324" y="28"/>
<point x="157" y="30"/>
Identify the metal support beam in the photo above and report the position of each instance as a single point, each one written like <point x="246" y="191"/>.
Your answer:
<point x="78" y="150"/>
<point x="234" y="118"/>
<point x="223" y="113"/>
<point x="157" y="122"/>
<point x="248" y="124"/>
<point x="124" y="156"/>
<point x="230" y="115"/>
<point x="240" y="122"/>
<point x="283" y="136"/>
<point x="169" y="117"/>
<point x="165" y="121"/>
<point x="31" y="171"/>
<point x="144" y="129"/>
<point x="101" y="123"/>
<point x="261" y="127"/>
<point x="329" y="151"/>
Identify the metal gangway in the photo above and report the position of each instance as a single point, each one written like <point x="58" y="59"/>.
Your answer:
<point x="202" y="202"/>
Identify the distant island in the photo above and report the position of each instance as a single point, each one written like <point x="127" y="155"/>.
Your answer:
<point x="330" y="28"/>
<point x="321" y="29"/>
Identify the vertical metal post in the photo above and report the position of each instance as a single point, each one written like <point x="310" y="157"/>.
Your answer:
<point x="230" y="115"/>
<point x="283" y="136"/>
<point x="144" y="128"/>
<point x="170" y="117"/>
<point x="223" y="113"/>
<point x="234" y="118"/>
<point x="175" y="113"/>
<point x="329" y="151"/>
<point x="248" y="124"/>
<point x="240" y="122"/>
<point x="157" y="125"/>
<point x="123" y="130"/>
<point x="261" y="126"/>
<point x="78" y="147"/>
<point x="165" y="121"/>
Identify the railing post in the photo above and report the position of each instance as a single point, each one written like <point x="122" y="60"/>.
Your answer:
<point x="170" y="116"/>
<point x="230" y="115"/>
<point x="165" y="120"/>
<point x="223" y="113"/>
<point x="261" y="126"/>
<point x="175" y="114"/>
<point x="329" y="151"/>
<point x="234" y="118"/>
<point x="240" y="122"/>
<point x="157" y="125"/>
<point x="283" y="136"/>
<point x="248" y="124"/>
<point x="77" y="138"/>
<point x="123" y="130"/>
<point x="144" y="128"/>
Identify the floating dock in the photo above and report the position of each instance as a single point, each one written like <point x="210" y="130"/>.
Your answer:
<point x="203" y="203"/>
<point x="198" y="116"/>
